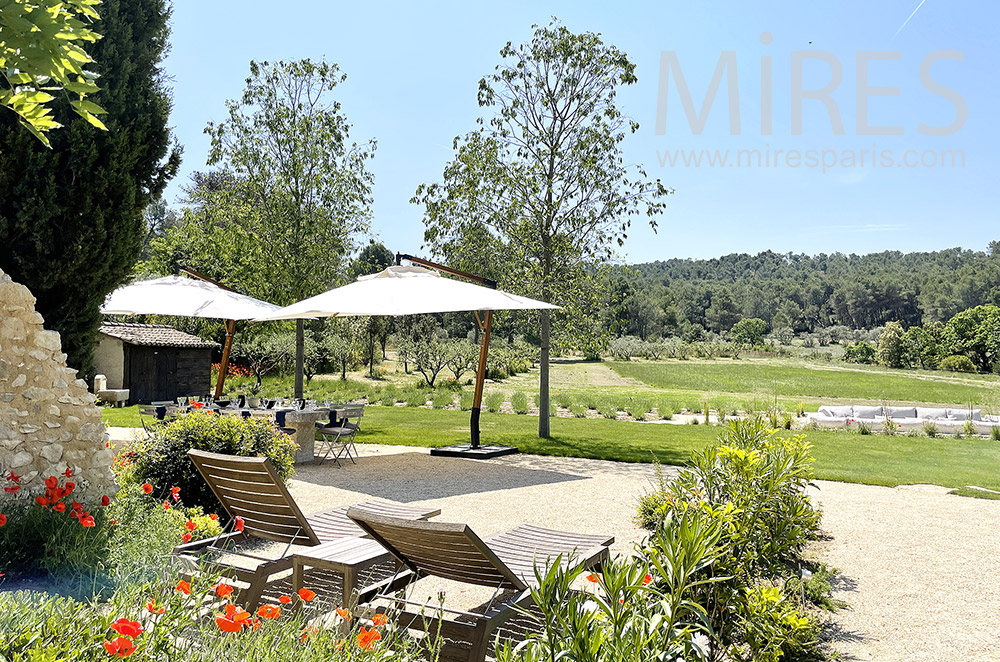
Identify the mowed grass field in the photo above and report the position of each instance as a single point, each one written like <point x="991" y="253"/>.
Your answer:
<point x="789" y="379"/>
<point x="843" y="456"/>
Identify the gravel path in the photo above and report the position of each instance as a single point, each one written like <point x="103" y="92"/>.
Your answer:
<point x="920" y="570"/>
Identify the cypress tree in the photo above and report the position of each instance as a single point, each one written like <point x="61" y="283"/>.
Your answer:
<point x="71" y="217"/>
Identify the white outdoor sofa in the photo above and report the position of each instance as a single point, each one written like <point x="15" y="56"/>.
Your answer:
<point x="948" y="421"/>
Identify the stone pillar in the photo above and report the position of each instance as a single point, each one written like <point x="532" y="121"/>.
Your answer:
<point x="48" y="420"/>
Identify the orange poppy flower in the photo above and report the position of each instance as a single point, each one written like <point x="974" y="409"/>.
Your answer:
<point x="186" y="537"/>
<point x="380" y="619"/>
<point x="309" y="632"/>
<point x="153" y="609"/>
<point x="284" y="599"/>
<point x="175" y="492"/>
<point x="87" y="521"/>
<point x="366" y="638"/>
<point x="190" y="525"/>
<point x="344" y="614"/>
<point x="147" y="488"/>
<point x="239" y="523"/>
<point x="269" y="611"/>
<point x="647" y="580"/>
<point x="166" y="505"/>
<point x="223" y="590"/>
<point x="119" y="646"/>
<point x="227" y="624"/>
<point x="213" y="517"/>
<point x="184" y="586"/>
<point x="234" y="618"/>
<point x="127" y="628"/>
<point x="593" y="578"/>
<point x="306" y="594"/>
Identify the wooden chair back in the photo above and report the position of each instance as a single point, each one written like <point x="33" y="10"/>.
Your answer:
<point x="451" y="551"/>
<point x="250" y="488"/>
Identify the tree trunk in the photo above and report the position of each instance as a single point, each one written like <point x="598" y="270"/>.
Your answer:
<point x="543" y="378"/>
<point x="300" y="346"/>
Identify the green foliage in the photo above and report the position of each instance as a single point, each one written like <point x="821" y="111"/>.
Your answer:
<point x="72" y="216"/>
<point x="493" y="401"/>
<point x="891" y="346"/>
<point x="749" y="331"/>
<point x="465" y="400"/>
<point x="957" y="363"/>
<point x="578" y="411"/>
<point x="519" y="401"/>
<point x="862" y="352"/>
<point x="773" y="627"/>
<point x="817" y="588"/>
<point x="862" y="428"/>
<point x="930" y="429"/>
<point x="162" y="460"/>
<point x="415" y="397"/>
<point x="665" y="410"/>
<point x="976" y="333"/>
<point x="42" y="52"/>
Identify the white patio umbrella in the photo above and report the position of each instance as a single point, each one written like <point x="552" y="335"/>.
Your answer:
<point x="405" y="291"/>
<point x="416" y="290"/>
<point x="188" y="297"/>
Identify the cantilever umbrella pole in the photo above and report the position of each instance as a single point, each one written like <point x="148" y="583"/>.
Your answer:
<point x="224" y="364"/>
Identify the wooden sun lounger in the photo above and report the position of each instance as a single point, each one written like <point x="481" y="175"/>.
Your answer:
<point x="505" y="561"/>
<point x="250" y="488"/>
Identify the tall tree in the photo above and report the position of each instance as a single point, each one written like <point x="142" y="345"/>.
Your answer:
<point x="71" y="217"/>
<point x="545" y="173"/>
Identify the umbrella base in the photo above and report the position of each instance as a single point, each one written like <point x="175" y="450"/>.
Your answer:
<point x="467" y="451"/>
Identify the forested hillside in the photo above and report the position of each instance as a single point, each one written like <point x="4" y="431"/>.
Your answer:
<point x="802" y="292"/>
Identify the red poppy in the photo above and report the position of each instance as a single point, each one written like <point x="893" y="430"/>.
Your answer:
<point x="184" y="586"/>
<point x="344" y="613"/>
<point x="190" y="525"/>
<point x="127" y="628"/>
<point x="284" y="599"/>
<point x="41" y="501"/>
<point x="68" y="473"/>
<point x="593" y="578"/>
<point x="119" y="646"/>
<point x="147" y="488"/>
<point x="647" y="580"/>
<point x="68" y="489"/>
<point x="13" y="478"/>
<point x="366" y="638"/>
<point x="59" y="507"/>
<point x="105" y="500"/>
<point x="269" y="611"/>
<point x="12" y="489"/>
<point x="52" y="482"/>
<point x="223" y="590"/>
<point x="380" y="619"/>
<point x="176" y="493"/>
<point x="3" y="519"/>
<point x="186" y="537"/>
<point x="306" y="594"/>
<point x="77" y="506"/>
<point x="234" y="618"/>
<point x="87" y="521"/>
<point x="309" y="632"/>
<point x="213" y="517"/>
<point x="256" y="622"/>
<point x="239" y="523"/>
<point x="153" y="609"/>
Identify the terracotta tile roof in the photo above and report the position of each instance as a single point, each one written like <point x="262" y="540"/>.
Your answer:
<point x="153" y="335"/>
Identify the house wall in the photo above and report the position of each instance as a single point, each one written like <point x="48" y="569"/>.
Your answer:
<point x="109" y="360"/>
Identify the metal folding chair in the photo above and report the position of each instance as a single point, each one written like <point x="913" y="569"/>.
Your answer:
<point x="339" y="436"/>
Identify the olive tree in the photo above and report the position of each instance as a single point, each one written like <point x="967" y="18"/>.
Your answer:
<point x="542" y="184"/>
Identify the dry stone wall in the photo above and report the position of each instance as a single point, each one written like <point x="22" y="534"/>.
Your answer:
<point x="48" y="420"/>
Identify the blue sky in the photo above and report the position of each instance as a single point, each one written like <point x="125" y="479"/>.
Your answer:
<point x="413" y="73"/>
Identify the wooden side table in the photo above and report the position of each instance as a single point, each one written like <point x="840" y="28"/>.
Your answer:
<point x="346" y="556"/>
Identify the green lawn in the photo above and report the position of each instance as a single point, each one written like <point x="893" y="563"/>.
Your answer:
<point x="801" y="380"/>
<point x="874" y="459"/>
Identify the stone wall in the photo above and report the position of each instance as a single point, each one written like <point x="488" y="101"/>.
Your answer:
<point x="48" y="420"/>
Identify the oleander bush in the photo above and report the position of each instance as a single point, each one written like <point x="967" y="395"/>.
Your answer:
<point x="161" y="459"/>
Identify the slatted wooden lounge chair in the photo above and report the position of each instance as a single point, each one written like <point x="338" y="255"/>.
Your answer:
<point x="250" y="488"/>
<point x="504" y="562"/>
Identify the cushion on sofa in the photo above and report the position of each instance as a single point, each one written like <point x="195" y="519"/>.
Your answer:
<point x="931" y="412"/>
<point x="836" y="410"/>
<point x="867" y="412"/>
<point x="958" y="414"/>
<point x="901" y="412"/>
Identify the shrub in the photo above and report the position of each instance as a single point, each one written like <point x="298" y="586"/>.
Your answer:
<point x="995" y="433"/>
<point x="969" y="427"/>
<point x="519" y="401"/>
<point x="637" y="408"/>
<point x="441" y="399"/>
<point x="863" y="428"/>
<point x="957" y="363"/>
<point x="608" y="410"/>
<point x="162" y="460"/>
<point x="889" y="428"/>
<point x="580" y="411"/>
<point x="493" y="401"/>
<point x="415" y="397"/>
<point x="787" y="420"/>
<point x="564" y="400"/>
<point x="930" y="429"/>
<point x="665" y="411"/>
<point x="862" y="352"/>
<point x="465" y="400"/>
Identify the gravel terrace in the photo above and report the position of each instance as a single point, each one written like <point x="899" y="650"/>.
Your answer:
<point x="919" y="567"/>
